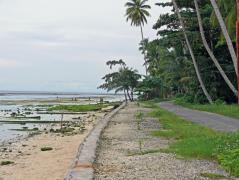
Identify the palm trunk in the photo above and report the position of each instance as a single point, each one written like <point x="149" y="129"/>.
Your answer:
<point x="192" y="54"/>
<point x="225" y="33"/>
<point x="142" y="36"/>
<point x="214" y="59"/>
<point x="132" y="95"/>
<point x="128" y="95"/>
<point x="126" y="100"/>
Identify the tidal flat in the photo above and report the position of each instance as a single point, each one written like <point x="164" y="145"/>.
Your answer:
<point x="23" y="136"/>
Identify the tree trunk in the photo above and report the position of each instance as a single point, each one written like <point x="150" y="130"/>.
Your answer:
<point x="211" y="54"/>
<point x="225" y="33"/>
<point x="132" y="95"/>
<point x="126" y="100"/>
<point x="128" y="95"/>
<point x="192" y="54"/>
<point x="145" y="63"/>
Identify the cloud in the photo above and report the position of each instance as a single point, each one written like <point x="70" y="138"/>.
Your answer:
<point x="48" y="41"/>
<point x="8" y="63"/>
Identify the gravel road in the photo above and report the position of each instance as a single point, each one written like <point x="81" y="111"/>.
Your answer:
<point x="119" y="157"/>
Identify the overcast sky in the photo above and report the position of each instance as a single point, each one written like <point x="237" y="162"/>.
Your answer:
<point x="62" y="45"/>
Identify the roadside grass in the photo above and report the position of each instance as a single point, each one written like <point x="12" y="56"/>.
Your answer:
<point x="222" y="109"/>
<point x="192" y="140"/>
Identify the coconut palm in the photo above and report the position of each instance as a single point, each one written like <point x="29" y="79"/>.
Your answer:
<point x="137" y="13"/>
<point x="225" y="33"/>
<point x="211" y="54"/>
<point x="191" y="53"/>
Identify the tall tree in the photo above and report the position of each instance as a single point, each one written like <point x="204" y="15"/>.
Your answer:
<point x="191" y="53"/>
<point x="137" y="13"/>
<point x="210" y="52"/>
<point x="225" y="33"/>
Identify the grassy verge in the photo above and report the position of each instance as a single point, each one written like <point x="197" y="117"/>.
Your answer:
<point x="196" y="141"/>
<point x="223" y="109"/>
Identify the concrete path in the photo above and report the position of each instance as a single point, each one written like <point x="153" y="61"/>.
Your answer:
<point x="82" y="167"/>
<point x="214" y="121"/>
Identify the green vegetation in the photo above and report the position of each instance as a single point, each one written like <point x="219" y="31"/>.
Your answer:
<point x="78" y="108"/>
<point x="196" y="141"/>
<point x="125" y="79"/>
<point x="4" y="163"/>
<point x="46" y="149"/>
<point x="219" y="108"/>
<point x="139" y="119"/>
<point x="213" y="176"/>
<point x="137" y="12"/>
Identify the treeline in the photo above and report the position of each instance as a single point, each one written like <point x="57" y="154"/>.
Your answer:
<point x="194" y="54"/>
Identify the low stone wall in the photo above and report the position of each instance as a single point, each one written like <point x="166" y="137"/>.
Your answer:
<point x="82" y="168"/>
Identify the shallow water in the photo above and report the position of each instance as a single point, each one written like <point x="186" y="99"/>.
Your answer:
<point x="6" y="130"/>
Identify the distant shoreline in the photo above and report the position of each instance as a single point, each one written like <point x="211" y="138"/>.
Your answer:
<point x="7" y="93"/>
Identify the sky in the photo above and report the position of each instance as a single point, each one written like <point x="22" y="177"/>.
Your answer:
<point x="63" y="45"/>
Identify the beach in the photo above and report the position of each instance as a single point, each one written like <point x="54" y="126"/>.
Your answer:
<point x="45" y="150"/>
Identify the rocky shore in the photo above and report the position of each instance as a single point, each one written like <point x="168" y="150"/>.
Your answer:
<point x="45" y="154"/>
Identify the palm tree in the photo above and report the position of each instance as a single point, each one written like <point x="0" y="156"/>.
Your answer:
<point x="125" y="79"/>
<point x="214" y="59"/>
<point x="225" y="33"/>
<point x="137" y="13"/>
<point x="191" y="53"/>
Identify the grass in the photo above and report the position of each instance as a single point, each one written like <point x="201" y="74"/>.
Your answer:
<point x="81" y="108"/>
<point x="213" y="176"/>
<point x="222" y="109"/>
<point x="192" y="140"/>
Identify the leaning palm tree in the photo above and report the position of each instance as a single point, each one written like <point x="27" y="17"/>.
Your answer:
<point x="191" y="53"/>
<point x="225" y="33"/>
<point x="137" y="13"/>
<point x="211" y="54"/>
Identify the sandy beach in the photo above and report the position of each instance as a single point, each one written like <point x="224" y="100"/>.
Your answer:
<point x="31" y="163"/>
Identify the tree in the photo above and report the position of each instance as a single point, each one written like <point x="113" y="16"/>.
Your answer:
<point x="137" y="13"/>
<point x="210" y="52"/>
<point x="151" y="87"/>
<point x="191" y="53"/>
<point x="225" y="33"/>
<point x="125" y="79"/>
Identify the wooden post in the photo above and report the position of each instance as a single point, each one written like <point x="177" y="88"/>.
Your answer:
<point x="61" y="121"/>
<point x="237" y="43"/>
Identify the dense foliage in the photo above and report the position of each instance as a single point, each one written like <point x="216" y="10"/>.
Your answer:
<point x="169" y="60"/>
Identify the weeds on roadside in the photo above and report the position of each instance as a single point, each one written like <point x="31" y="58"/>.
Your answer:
<point x="139" y="119"/>
<point x="197" y="141"/>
